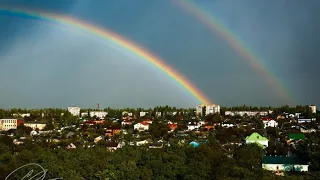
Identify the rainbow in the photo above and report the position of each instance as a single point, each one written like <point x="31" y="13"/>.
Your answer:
<point x="218" y="28"/>
<point x="116" y="39"/>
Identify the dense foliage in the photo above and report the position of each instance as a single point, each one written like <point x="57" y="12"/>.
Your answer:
<point x="208" y="161"/>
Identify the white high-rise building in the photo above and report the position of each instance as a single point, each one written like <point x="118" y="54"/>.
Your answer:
<point x="75" y="111"/>
<point x="209" y="109"/>
<point x="212" y="109"/>
<point x="199" y="109"/>
<point x="313" y="108"/>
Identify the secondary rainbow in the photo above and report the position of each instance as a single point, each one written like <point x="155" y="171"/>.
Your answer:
<point x="124" y="43"/>
<point x="238" y="46"/>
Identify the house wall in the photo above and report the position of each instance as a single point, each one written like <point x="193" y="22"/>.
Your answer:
<point x="6" y="124"/>
<point x="271" y="123"/>
<point x="264" y="143"/>
<point x="99" y="114"/>
<point x="35" y="125"/>
<point x="192" y="127"/>
<point x="75" y="111"/>
<point x="140" y="127"/>
<point x="284" y="167"/>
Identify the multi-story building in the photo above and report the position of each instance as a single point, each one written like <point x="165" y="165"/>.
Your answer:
<point x="248" y="113"/>
<point x="35" y="125"/>
<point x="209" y="109"/>
<point x="22" y="115"/>
<point x="99" y="114"/>
<point x="212" y="109"/>
<point x="199" y="110"/>
<point x="10" y="123"/>
<point x="313" y="108"/>
<point x="75" y="111"/>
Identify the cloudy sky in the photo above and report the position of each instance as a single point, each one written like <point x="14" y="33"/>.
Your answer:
<point x="46" y="64"/>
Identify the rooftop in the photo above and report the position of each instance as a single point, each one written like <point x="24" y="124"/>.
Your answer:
<point x="283" y="160"/>
<point x="296" y="136"/>
<point x="256" y="137"/>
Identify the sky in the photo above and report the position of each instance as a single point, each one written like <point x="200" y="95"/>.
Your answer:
<point x="45" y="64"/>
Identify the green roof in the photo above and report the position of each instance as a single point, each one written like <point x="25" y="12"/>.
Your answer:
<point x="296" y="136"/>
<point x="256" y="137"/>
<point x="283" y="160"/>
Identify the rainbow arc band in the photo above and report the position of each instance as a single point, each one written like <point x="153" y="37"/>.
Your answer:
<point x="121" y="41"/>
<point x="237" y="45"/>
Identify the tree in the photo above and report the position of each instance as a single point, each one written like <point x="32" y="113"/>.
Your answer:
<point x="249" y="155"/>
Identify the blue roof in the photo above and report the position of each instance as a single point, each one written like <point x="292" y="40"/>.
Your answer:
<point x="194" y="144"/>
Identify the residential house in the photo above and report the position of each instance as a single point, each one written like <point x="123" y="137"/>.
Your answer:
<point x="173" y="126"/>
<point x="99" y="121"/>
<point x="142" y="113"/>
<point x="143" y="142"/>
<point x="142" y="126"/>
<point x="156" y="145"/>
<point x="17" y="142"/>
<point x="71" y="146"/>
<point x="257" y="138"/>
<point x="33" y="133"/>
<point x="193" y="126"/>
<point x="304" y="129"/>
<point x="201" y="123"/>
<point x="126" y="122"/>
<point x="282" y="163"/>
<point x="97" y="139"/>
<point x="112" y="146"/>
<point x="306" y="120"/>
<point x="269" y="122"/>
<point x="208" y="127"/>
<point x="148" y="121"/>
<point x="125" y="113"/>
<point x="113" y="130"/>
<point x="227" y="124"/>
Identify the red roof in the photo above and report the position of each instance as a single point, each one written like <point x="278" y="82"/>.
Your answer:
<point x="20" y="122"/>
<point x="266" y="119"/>
<point x="91" y="122"/>
<point x="144" y="123"/>
<point x="172" y="126"/>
